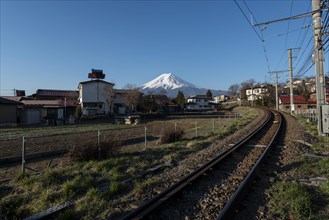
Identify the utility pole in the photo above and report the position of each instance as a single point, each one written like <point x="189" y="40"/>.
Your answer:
<point x="262" y="93"/>
<point x="276" y="87"/>
<point x="318" y="55"/>
<point x="318" y="59"/>
<point x="292" y="106"/>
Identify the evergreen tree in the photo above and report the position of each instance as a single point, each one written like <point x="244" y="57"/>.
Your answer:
<point x="148" y="103"/>
<point x="180" y="99"/>
<point x="209" y="94"/>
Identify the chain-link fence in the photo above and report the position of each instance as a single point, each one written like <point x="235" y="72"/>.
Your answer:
<point x="30" y="147"/>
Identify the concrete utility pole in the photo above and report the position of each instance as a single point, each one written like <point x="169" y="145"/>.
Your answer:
<point x="318" y="59"/>
<point x="276" y="92"/>
<point x="276" y="87"/>
<point x="292" y="106"/>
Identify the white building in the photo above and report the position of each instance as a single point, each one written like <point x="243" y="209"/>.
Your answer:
<point x="256" y="93"/>
<point x="96" y="97"/>
<point x="219" y="99"/>
<point x="198" y="102"/>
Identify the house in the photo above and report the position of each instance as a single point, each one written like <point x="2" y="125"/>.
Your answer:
<point x="309" y="83"/>
<point x="50" y="112"/>
<point x="301" y="104"/>
<point x="96" y="97"/>
<point x="257" y="92"/>
<point x="8" y="112"/>
<point x="199" y="103"/>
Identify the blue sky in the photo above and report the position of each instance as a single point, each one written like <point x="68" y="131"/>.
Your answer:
<point x="55" y="44"/>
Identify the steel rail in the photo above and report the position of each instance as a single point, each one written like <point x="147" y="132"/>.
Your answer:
<point x="230" y="207"/>
<point x="151" y="204"/>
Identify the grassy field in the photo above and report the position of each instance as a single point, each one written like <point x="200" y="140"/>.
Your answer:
<point x="97" y="186"/>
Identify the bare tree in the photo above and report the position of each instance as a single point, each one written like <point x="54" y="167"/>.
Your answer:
<point x="108" y="94"/>
<point x="131" y="96"/>
<point x="233" y="89"/>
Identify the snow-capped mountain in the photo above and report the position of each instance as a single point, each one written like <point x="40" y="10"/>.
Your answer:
<point x="170" y="84"/>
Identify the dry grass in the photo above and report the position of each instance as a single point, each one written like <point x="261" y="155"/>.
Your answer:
<point x="95" y="184"/>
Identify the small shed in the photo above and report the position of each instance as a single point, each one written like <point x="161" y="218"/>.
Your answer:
<point x="8" y="112"/>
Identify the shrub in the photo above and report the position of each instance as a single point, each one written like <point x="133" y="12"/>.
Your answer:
<point x="169" y="136"/>
<point x="91" y="151"/>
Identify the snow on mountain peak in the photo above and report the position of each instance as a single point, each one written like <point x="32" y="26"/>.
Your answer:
<point x="170" y="84"/>
<point x="167" y="81"/>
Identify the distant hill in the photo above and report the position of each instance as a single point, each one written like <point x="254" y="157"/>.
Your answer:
<point x="170" y="84"/>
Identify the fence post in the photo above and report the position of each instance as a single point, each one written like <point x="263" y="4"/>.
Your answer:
<point x="23" y="155"/>
<point x="145" y="137"/>
<point x="213" y="125"/>
<point x="218" y="122"/>
<point x="99" y="144"/>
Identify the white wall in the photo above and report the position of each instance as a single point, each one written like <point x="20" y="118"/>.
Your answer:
<point x="96" y="92"/>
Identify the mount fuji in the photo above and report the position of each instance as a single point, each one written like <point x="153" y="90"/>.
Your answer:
<point x="170" y="84"/>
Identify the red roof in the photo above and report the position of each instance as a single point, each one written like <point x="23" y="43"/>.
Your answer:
<point x="297" y="100"/>
<point x="314" y="100"/>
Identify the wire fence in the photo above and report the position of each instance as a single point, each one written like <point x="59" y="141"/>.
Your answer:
<point x="30" y="147"/>
<point x="311" y="117"/>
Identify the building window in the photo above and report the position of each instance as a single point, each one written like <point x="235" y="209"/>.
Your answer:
<point x="299" y="106"/>
<point x="90" y="104"/>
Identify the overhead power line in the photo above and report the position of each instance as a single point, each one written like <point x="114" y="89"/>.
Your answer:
<point x="290" y="18"/>
<point x="260" y="36"/>
<point x="248" y="21"/>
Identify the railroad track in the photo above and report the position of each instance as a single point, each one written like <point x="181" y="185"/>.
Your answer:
<point x="214" y="190"/>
